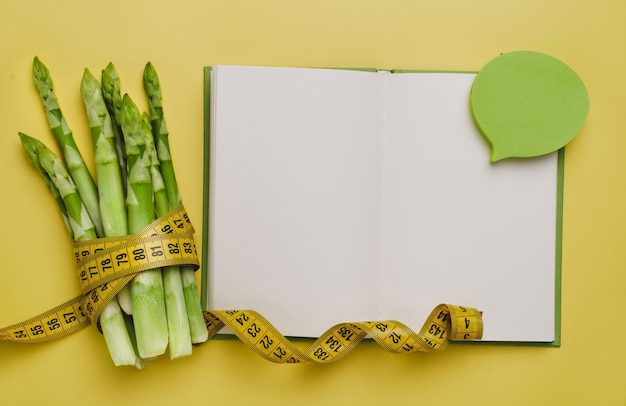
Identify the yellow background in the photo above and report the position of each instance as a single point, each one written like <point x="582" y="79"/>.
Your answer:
<point x="183" y="36"/>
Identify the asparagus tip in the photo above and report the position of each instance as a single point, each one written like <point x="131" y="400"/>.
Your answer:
<point x="110" y="71"/>
<point x="39" y="69"/>
<point x="30" y="145"/>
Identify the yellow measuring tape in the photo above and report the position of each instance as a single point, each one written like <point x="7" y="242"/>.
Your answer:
<point x="446" y="323"/>
<point x="105" y="265"/>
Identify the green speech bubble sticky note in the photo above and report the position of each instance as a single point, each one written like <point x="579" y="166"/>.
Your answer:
<point x="528" y="104"/>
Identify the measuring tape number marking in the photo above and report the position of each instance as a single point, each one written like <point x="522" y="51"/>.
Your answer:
<point x="104" y="266"/>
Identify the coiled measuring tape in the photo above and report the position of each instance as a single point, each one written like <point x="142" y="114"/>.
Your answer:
<point x="105" y="265"/>
<point x="444" y="324"/>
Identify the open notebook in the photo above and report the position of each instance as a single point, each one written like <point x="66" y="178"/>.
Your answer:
<point x="345" y="195"/>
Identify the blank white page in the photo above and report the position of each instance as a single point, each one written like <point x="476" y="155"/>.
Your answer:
<point x="457" y="228"/>
<point x="296" y="173"/>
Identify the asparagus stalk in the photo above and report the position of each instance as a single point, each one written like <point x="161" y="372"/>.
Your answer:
<point x="111" y="187"/>
<point x="113" y="99"/>
<point x="111" y="203"/>
<point x="82" y="225"/>
<point x="177" y="320"/>
<point x="111" y="90"/>
<point x="152" y="86"/>
<point x="63" y="135"/>
<point x="158" y="185"/>
<point x="117" y="336"/>
<point x="30" y="146"/>
<point x="149" y="314"/>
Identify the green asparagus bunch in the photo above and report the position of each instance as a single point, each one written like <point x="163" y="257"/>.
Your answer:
<point x="135" y="184"/>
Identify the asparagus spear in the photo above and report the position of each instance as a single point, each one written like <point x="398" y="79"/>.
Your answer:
<point x="63" y="135"/>
<point x="112" y="205"/>
<point x="30" y="146"/>
<point x="177" y="320"/>
<point x="152" y="86"/>
<point x="113" y="99"/>
<point x="148" y="303"/>
<point x="111" y="187"/>
<point x="82" y="228"/>
<point x="158" y="185"/>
